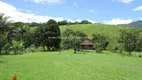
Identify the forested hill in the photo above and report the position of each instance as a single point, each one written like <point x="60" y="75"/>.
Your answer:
<point x="134" y="24"/>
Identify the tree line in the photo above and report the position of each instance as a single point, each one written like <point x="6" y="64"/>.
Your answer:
<point x="63" y="22"/>
<point x="19" y="37"/>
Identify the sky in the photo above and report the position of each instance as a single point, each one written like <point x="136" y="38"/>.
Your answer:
<point x="96" y="11"/>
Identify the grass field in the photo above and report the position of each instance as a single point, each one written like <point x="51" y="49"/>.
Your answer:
<point x="89" y="29"/>
<point x="68" y="66"/>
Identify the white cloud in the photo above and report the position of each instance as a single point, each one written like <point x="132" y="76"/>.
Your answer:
<point x="75" y="4"/>
<point x="118" y="21"/>
<point x="17" y="15"/>
<point x="139" y="8"/>
<point x="79" y="20"/>
<point x="28" y="16"/>
<point x="28" y="11"/>
<point x="45" y="1"/>
<point x="140" y="18"/>
<point x="124" y="1"/>
<point x="92" y="11"/>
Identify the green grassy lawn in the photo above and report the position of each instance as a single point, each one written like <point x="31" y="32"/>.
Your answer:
<point x="68" y="66"/>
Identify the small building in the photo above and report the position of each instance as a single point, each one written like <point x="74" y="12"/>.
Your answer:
<point x="87" y="44"/>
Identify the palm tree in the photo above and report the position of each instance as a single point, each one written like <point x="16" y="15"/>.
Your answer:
<point x="3" y="23"/>
<point x="3" y="27"/>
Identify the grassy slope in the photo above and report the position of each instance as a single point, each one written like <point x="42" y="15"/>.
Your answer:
<point x="89" y="29"/>
<point x="67" y="66"/>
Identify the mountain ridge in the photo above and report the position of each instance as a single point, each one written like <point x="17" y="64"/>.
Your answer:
<point x="137" y="24"/>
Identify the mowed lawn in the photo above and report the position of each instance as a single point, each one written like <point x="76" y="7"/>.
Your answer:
<point x="68" y="66"/>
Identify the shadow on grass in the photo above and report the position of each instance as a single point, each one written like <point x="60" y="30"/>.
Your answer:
<point x="86" y="52"/>
<point x="1" y="61"/>
<point x="80" y="53"/>
<point x="10" y="54"/>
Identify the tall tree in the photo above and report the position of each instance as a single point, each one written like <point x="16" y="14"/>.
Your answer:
<point x="20" y="29"/>
<point x="139" y="44"/>
<point x="101" y="42"/>
<point x="71" y="39"/>
<point x="4" y="24"/>
<point x="53" y="32"/>
<point x="129" y="39"/>
<point x="67" y="39"/>
<point x="64" y="22"/>
<point x="49" y="35"/>
<point x="85" y="22"/>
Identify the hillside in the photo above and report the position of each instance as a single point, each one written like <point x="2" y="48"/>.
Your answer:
<point x="134" y="24"/>
<point x="89" y="29"/>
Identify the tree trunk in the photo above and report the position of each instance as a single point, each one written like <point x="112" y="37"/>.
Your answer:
<point x="15" y="51"/>
<point x="129" y="53"/>
<point x="140" y="55"/>
<point x="0" y="50"/>
<point x="74" y="50"/>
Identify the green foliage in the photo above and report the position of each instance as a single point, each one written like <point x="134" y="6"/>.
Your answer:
<point x="33" y="48"/>
<point x="100" y="41"/>
<point x="67" y="39"/>
<point x="139" y="44"/>
<point x="85" y="22"/>
<point x="51" y="48"/>
<point x="64" y="22"/>
<point x="71" y="39"/>
<point x="130" y="39"/>
<point x="18" y="24"/>
<point x="28" y="38"/>
<point x="113" y="45"/>
<point x="3" y="41"/>
<point x="4" y="23"/>
<point x="17" y="46"/>
<point x="99" y="47"/>
<point x="4" y="26"/>
<point x="48" y="35"/>
<point x="7" y="48"/>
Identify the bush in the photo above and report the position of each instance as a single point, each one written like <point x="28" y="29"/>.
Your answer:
<point x="130" y="39"/>
<point x="32" y="48"/>
<point x="113" y="46"/>
<point x="17" y="46"/>
<point x="101" y="42"/>
<point x="7" y="47"/>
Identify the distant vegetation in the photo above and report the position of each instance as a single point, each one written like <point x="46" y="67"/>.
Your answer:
<point x="19" y="37"/>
